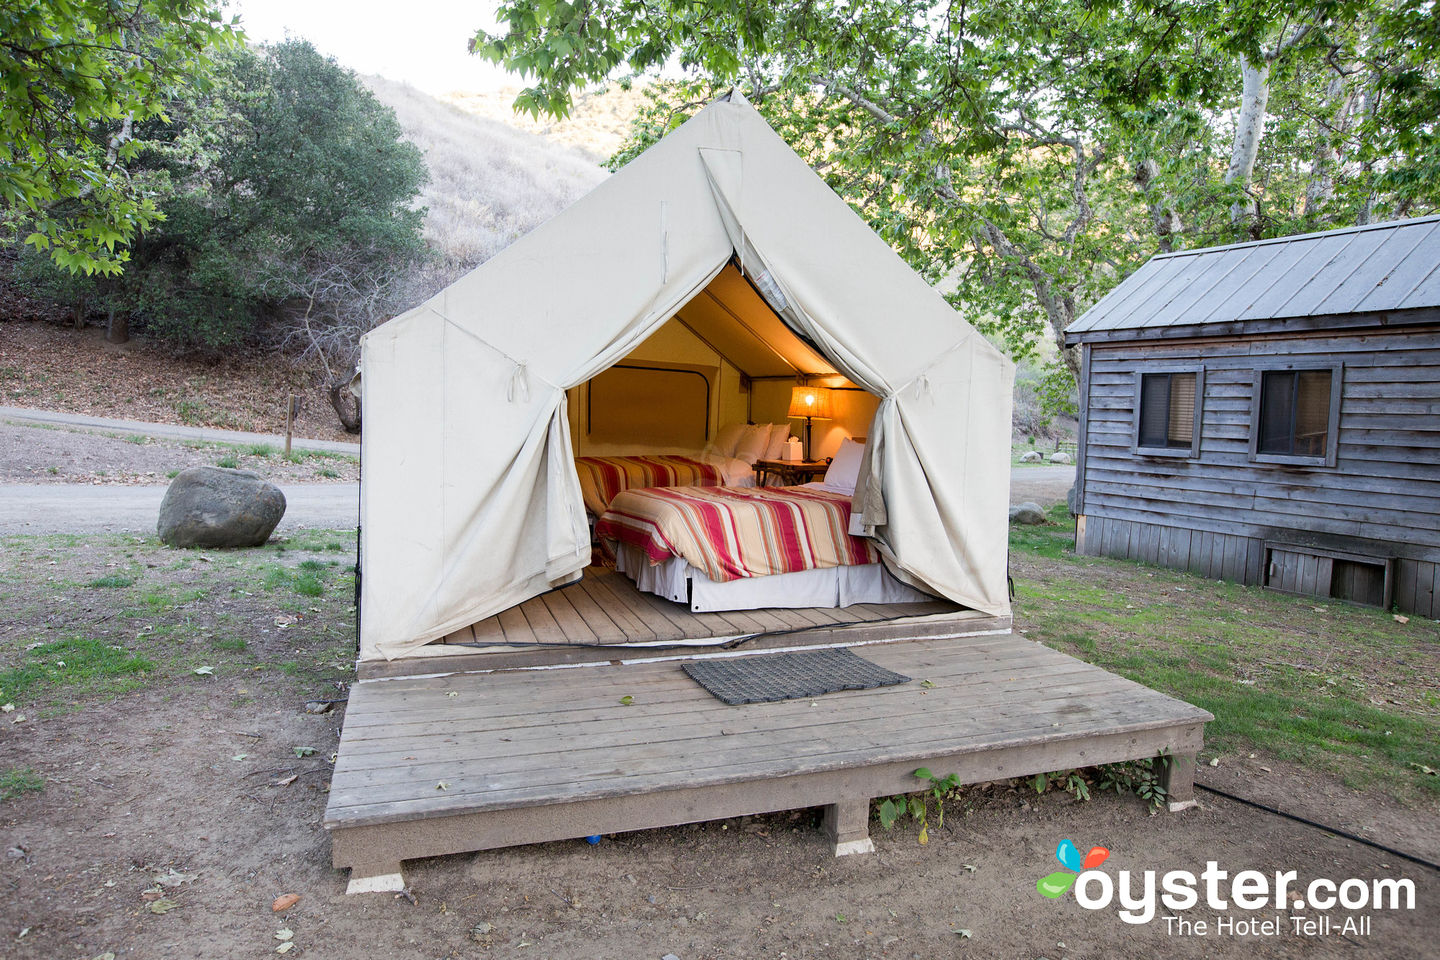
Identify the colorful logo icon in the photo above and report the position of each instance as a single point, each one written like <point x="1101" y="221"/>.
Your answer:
<point x="1055" y="885"/>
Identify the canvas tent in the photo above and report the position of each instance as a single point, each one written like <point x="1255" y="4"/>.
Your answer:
<point x="470" y="501"/>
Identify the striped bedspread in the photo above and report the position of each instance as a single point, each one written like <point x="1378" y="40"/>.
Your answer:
<point x="730" y="533"/>
<point x="602" y="478"/>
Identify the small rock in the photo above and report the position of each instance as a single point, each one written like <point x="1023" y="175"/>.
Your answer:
<point x="1027" y="513"/>
<point x="1031" y="456"/>
<point x="318" y="706"/>
<point x="285" y="902"/>
<point x="652" y="899"/>
<point x="1060" y="456"/>
<point x="669" y="956"/>
<point x="481" y="930"/>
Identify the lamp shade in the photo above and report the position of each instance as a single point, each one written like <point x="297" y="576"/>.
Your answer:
<point x="812" y="402"/>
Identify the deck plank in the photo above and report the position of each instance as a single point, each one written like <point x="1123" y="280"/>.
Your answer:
<point x="618" y="612"/>
<point x="605" y="628"/>
<point x="571" y="621"/>
<point x="516" y="627"/>
<point x="488" y="630"/>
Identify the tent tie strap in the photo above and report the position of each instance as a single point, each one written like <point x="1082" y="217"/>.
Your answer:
<point x="519" y="382"/>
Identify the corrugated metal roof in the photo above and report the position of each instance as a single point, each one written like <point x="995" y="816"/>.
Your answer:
<point x="1382" y="266"/>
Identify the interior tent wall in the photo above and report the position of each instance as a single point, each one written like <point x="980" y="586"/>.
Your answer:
<point x="672" y="344"/>
<point x="470" y="502"/>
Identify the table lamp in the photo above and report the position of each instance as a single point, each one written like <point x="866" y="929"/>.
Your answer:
<point x="810" y="403"/>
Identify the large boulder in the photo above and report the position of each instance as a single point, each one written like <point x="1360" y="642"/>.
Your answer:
<point x="216" y="507"/>
<point x="1060" y="456"/>
<point x="1028" y="512"/>
<point x="1031" y="456"/>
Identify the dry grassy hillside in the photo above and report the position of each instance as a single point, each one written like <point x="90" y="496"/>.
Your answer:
<point x="597" y="125"/>
<point x="489" y="183"/>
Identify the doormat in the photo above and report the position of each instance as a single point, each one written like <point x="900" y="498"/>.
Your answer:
<point x="789" y="676"/>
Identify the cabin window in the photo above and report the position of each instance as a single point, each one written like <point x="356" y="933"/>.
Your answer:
<point x="1167" y="413"/>
<point x="1296" y="416"/>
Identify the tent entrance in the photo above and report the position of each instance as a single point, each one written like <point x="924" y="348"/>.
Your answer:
<point x="725" y="356"/>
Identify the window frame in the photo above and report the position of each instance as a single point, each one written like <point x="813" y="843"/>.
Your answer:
<point x="1191" y="452"/>
<point x="1332" y="427"/>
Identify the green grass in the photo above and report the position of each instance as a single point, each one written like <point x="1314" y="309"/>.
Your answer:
<point x="263" y="450"/>
<point x="229" y="462"/>
<point x="18" y="781"/>
<point x="84" y="663"/>
<point x="305" y="581"/>
<point x="114" y="581"/>
<point x="327" y="473"/>
<point x="1343" y="688"/>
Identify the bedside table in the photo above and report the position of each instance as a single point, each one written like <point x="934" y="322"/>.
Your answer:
<point x="789" y="472"/>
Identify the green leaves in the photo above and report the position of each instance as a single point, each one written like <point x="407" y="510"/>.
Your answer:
<point x="76" y="77"/>
<point x="995" y="146"/>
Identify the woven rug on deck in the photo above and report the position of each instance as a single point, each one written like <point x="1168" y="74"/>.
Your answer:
<point x="769" y="677"/>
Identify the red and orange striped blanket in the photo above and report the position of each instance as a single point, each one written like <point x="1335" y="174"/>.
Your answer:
<point x="730" y="533"/>
<point x="601" y="478"/>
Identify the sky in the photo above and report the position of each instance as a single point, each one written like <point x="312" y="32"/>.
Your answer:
<point x="420" y="42"/>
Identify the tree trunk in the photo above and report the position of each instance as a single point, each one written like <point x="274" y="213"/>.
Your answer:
<point x="346" y="404"/>
<point x="1162" y="206"/>
<point x="117" y="329"/>
<point x="1249" y="129"/>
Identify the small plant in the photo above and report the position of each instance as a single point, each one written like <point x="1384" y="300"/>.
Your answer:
<point x="52" y="470"/>
<point x="18" y="781"/>
<point x="327" y="473"/>
<point x="295" y="456"/>
<point x="172" y="474"/>
<point x="918" y="805"/>
<point x="1140" y="777"/>
<point x="261" y="450"/>
<point x="112" y="582"/>
<point x="229" y="462"/>
<point x="1072" y="782"/>
<point x="138" y="439"/>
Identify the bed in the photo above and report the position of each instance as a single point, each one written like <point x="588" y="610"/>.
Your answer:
<point x="718" y="548"/>
<point x="603" y="478"/>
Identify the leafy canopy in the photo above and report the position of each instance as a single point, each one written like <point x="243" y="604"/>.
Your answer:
<point x="284" y="185"/>
<point x="1026" y="155"/>
<point x="75" y="77"/>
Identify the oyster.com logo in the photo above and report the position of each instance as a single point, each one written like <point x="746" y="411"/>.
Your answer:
<point x="1055" y="885"/>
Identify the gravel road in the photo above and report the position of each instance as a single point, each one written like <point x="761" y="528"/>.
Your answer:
<point x="86" y="508"/>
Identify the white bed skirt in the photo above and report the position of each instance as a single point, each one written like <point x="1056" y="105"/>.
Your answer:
<point x="675" y="579"/>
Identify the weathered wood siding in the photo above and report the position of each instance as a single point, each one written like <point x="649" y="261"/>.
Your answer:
<point x="1216" y="513"/>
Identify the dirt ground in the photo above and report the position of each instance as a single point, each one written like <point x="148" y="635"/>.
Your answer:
<point x="47" y="365"/>
<point x="30" y="454"/>
<point x="175" y="809"/>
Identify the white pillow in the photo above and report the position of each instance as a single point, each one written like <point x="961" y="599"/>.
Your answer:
<point x="779" y="433"/>
<point x="753" y="443"/>
<point x="845" y="468"/>
<point x="729" y="438"/>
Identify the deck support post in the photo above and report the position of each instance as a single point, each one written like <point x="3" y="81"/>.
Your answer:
<point x="1179" y="782"/>
<point x="847" y="826"/>
<point x="378" y="877"/>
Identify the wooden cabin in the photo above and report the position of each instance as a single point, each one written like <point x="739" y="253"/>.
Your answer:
<point x="1269" y="413"/>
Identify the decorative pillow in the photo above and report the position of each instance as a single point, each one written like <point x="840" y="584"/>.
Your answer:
<point x="753" y="443"/>
<point x="729" y="438"/>
<point x="779" y="433"/>
<point x="845" y="468"/>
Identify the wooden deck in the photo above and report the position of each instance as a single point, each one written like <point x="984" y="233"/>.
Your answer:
<point x="472" y="761"/>
<point x="605" y="608"/>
